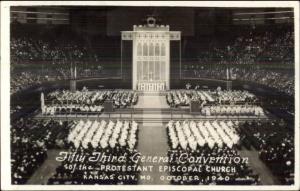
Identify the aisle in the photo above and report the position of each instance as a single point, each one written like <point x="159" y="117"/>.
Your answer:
<point x="152" y="137"/>
<point x="266" y="176"/>
<point x="48" y="168"/>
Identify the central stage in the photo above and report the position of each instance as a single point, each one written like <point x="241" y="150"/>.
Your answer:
<point x="152" y="100"/>
<point x="151" y="107"/>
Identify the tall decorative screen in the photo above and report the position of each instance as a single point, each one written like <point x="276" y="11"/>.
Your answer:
<point x="151" y="56"/>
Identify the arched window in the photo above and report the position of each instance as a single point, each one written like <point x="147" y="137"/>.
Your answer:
<point x="163" y="49"/>
<point x="157" y="49"/>
<point x="145" y="49"/>
<point x="139" y="49"/>
<point x="140" y="70"/>
<point x="151" y="50"/>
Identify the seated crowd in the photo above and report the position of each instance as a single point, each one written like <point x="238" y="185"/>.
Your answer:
<point x="24" y="80"/>
<point x="109" y="138"/>
<point x="53" y="58"/>
<point x="190" y="133"/>
<point x="27" y="78"/>
<point x="282" y="81"/>
<point x="67" y="102"/>
<point x="184" y="97"/>
<point x="217" y="102"/>
<point x="208" y="139"/>
<point x="235" y="96"/>
<point x="29" y="49"/>
<point x="30" y="140"/>
<point x="100" y="135"/>
<point x="254" y="48"/>
<point x="229" y="110"/>
<point x="177" y="98"/>
<point x="275" y="143"/>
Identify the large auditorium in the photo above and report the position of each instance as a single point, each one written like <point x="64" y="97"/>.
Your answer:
<point x="152" y="95"/>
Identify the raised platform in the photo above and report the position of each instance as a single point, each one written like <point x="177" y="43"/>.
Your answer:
<point x="152" y="100"/>
<point x="152" y="107"/>
<point x="153" y="115"/>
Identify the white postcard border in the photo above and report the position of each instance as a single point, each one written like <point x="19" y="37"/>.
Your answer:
<point x="5" y="95"/>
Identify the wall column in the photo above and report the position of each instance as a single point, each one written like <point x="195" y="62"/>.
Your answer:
<point x="134" y="62"/>
<point x="167" y="61"/>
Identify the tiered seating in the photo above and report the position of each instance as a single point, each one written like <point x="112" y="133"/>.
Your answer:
<point x="66" y="102"/>
<point x="237" y="110"/>
<point x="94" y="134"/>
<point x="256" y="47"/>
<point x="30" y="140"/>
<point x="236" y="96"/>
<point x="207" y="139"/>
<point x="184" y="97"/>
<point x="114" y="139"/>
<point x="26" y="50"/>
<point x="204" y="132"/>
<point x="275" y="143"/>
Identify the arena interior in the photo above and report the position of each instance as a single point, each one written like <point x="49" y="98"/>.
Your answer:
<point x="228" y="93"/>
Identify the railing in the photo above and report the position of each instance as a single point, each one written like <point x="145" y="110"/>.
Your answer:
<point x="141" y="114"/>
<point x="151" y="86"/>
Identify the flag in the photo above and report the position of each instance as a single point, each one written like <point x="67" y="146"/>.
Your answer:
<point x="227" y="71"/>
<point x="75" y="73"/>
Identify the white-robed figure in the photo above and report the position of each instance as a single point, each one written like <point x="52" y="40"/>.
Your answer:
<point x="258" y="111"/>
<point x="98" y="134"/>
<point x="43" y="108"/>
<point x="172" y="135"/>
<point x="107" y="133"/>
<point x="124" y="134"/>
<point x="190" y="134"/>
<point x="95" y="134"/>
<point x="115" y="134"/>
<point x="89" y="134"/>
<point x="198" y="137"/>
<point x="86" y="101"/>
<point x="132" y="136"/>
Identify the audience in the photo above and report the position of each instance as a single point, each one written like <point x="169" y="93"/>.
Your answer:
<point x="254" y="48"/>
<point x="67" y="102"/>
<point x="94" y="135"/>
<point x="275" y="143"/>
<point x="26" y="79"/>
<point x="113" y="139"/>
<point x="29" y="51"/>
<point x="177" y="98"/>
<point x="24" y="49"/>
<point x="229" y="110"/>
<point x="283" y="80"/>
<point x="30" y="140"/>
<point x="208" y="139"/>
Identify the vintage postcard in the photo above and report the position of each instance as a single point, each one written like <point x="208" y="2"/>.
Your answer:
<point x="149" y="95"/>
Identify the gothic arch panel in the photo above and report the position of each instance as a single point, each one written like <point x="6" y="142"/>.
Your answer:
<point x="145" y="49"/>
<point x="139" y="49"/>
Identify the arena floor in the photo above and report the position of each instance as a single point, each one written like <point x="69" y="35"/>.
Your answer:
<point x="153" y="136"/>
<point x="152" y="142"/>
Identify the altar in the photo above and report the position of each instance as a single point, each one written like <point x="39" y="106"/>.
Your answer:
<point x="151" y="55"/>
<point x="149" y="86"/>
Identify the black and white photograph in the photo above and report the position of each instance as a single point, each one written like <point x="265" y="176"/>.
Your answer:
<point x="154" y="95"/>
